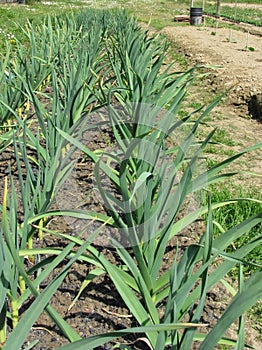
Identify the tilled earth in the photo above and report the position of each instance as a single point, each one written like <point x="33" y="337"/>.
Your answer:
<point x="236" y="70"/>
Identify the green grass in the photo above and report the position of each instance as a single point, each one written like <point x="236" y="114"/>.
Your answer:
<point x="224" y="137"/>
<point x="245" y="1"/>
<point x="12" y="18"/>
<point x="233" y="214"/>
<point x="246" y="15"/>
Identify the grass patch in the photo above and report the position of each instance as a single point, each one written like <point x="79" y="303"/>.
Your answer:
<point x="233" y="214"/>
<point x="239" y="14"/>
<point x="223" y="137"/>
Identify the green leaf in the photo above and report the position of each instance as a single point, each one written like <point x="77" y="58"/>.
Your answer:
<point x="94" y="341"/>
<point x="140" y="181"/>
<point x="244" y="300"/>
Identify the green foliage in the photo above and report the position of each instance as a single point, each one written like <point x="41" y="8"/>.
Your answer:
<point x="239" y="14"/>
<point x="245" y="1"/>
<point x="231" y="215"/>
<point x="102" y="62"/>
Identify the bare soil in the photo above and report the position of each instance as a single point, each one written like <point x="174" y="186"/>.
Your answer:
<point x="236" y="58"/>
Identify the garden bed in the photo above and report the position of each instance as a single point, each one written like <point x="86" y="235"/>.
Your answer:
<point x="129" y="178"/>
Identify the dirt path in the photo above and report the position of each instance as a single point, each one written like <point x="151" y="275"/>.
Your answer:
<point x="226" y="48"/>
<point x="239" y="69"/>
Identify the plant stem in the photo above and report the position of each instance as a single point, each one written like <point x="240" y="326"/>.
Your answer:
<point x="3" y="326"/>
<point x="14" y="307"/>
<point x="22" y="284"/>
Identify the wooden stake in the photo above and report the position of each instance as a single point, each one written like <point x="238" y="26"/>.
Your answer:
<point x="216" y="26"/>
<point x="235" y="11"/>
<point x="230" y="35"/>
<point x="247" y="43"/>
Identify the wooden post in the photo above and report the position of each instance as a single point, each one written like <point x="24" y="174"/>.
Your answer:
<point x="230" y="35"/>
<point x="247" y="42"/>
<point x="235" y="10"/>
<point x="218" y="7"/>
